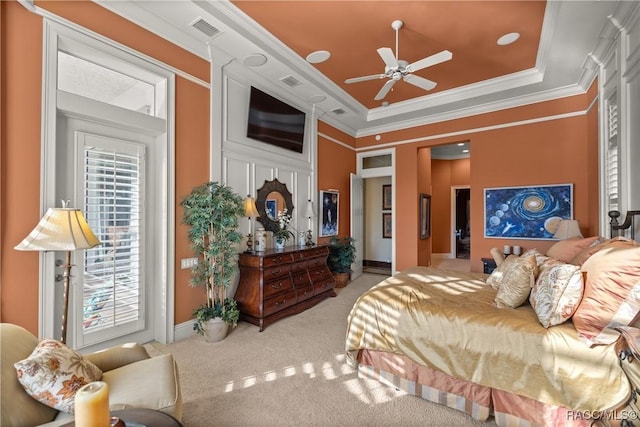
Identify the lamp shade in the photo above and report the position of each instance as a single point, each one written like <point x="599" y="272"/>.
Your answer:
<point x="309" y="210"/>
<point x="60" y="229"/>
<point x="567" y="228"/>
<point x="250" y="210"/>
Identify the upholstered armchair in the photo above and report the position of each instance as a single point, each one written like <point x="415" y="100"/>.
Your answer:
<point x="135" y="380"/>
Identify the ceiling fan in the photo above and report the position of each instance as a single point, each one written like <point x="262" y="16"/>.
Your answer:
<point x="396" y="69"/>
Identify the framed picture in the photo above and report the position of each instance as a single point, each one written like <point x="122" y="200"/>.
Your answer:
<point x="386" y="197"/>
<point x="526" y="212"/>
<point x="271" y="208"/>
<point x="328" y="206"/>
<point x="425" y="216"/>
<point x="386" y="225"/>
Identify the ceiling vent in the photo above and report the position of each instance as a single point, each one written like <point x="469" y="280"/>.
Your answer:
<point x="205" y="28"/>
<point x="290" y="81"/>
<point x="338" y="111"/>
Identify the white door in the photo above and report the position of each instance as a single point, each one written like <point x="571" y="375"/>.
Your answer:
<point x="357" y="223"/>
<point x="107" y="172"/>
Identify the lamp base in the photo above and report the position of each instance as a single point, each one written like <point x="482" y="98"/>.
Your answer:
<point x="249" y="244"/>
<point x="310" y="238"/>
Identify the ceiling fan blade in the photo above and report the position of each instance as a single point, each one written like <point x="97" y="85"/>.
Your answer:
<point x="385" y="90"/>
<point x="421" y="82"/>
<point x="437" y="58"/>
<point x="388" y="57"/>
<point x="365" y="78"/>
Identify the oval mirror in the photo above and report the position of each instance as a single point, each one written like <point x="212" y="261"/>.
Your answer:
<point x="273" y="197"/>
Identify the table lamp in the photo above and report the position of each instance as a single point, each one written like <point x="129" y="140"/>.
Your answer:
<point x="61" y="229"/>
<point x="309" y="214"/>
<point x="567" y="228"/>
<point x="250" y="211"/>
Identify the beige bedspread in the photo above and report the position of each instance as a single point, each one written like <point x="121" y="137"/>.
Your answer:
<point x="445" y="320"/>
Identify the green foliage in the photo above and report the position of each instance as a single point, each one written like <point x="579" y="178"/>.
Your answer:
<point x="227" y="311"/>
<point x="342" y="253"/>
<point x="211" y="211"/>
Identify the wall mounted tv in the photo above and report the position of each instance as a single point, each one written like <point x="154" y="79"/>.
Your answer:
<point x="275" y="122"/>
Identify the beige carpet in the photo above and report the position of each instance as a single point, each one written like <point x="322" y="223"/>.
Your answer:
<point x="293" y="374"/>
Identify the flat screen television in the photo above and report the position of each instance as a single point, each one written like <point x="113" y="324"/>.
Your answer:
<point x="275" y="122"/>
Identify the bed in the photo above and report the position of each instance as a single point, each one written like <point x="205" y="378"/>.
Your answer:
<point x="456" y="338"/>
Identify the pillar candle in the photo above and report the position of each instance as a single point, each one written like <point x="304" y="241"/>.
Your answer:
<point x="92" y="405"/>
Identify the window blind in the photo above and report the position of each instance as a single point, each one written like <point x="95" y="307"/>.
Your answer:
<point x="112" y="205"/>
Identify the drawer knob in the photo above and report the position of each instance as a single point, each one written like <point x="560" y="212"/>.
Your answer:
<point x="279" y="303"/>
<point x="278" y="286"/>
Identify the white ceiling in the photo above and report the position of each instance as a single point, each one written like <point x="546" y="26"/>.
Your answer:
<point x="569" y="41"/>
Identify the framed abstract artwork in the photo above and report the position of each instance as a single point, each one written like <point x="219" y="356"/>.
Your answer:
<point x="386" y="197"/>
<point x="531" y="212"/>
<point x="328" y="213"/>
<point x="386" y="225"/>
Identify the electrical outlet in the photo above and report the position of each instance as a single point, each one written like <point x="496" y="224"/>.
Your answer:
<point x="186" y="263"/>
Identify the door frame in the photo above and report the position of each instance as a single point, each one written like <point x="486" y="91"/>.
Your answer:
<point x="54" y="34"/>
<point x="453" y="252"/>
<point x="377" y="173"/>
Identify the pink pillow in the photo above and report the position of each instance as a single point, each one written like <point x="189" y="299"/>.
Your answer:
<point x="598" y="244"/>
<point x="566" y="250"/>
<point x="611" y="295"/>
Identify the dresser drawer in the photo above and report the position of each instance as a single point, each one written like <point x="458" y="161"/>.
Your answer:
<point x="276" y="287"/>
<point x="304" y="292"/>
<point x="323" y="285"/>
<point x="279" y="302"/>
<point x="315" y="263"/>
<point x="276" y="260"/>
<point x="298" y="266"/>
<point x="276" y="272"/>
<point x="319" y="273"/>
<point x="300" y="279"/>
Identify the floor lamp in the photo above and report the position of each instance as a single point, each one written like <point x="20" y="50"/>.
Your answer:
<point x="61" y="229"/>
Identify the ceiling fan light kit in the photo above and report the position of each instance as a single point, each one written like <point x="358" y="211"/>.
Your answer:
<point x="396" y="69"/>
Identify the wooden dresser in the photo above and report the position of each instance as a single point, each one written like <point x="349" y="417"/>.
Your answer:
<point x="275" y="284"/>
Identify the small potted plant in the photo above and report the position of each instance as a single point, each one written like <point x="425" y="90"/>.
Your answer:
<point x="211" y="211"/>
<point x="282" y="232"/>
<point x="342" y="253"/>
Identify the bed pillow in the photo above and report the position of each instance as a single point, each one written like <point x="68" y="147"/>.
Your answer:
<point x="53" y="373"/>
<point x="567" y="249"/>
<point x="611" y="294"/>
<point x="557" y="293"/>
<point x="498" y="273"/>
<point x="516" y="282"/>
<point x="601" y="243"/>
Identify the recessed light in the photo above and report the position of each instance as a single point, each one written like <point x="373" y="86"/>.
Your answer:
<point x="316" y="98"/>
<point x="254" y="60"/>
<point x="508" y="39"/>
<point x="318" y="56"/>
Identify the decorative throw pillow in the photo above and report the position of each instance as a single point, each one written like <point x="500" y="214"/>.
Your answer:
<point x="601" y="243"/>
<point x="566" y="250"/>
<point x="53" y="373"/>
<point x="540" y="258"/>
<point x="498" y="273"/>
<point x="557" y="293"/>
<point x="516" y="282"/>
<point x="611" y="294"/>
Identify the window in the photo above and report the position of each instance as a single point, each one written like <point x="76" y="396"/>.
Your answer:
<point x="612" y="155"/>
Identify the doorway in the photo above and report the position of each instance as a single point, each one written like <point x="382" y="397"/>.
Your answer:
<point x="462" y="223"/>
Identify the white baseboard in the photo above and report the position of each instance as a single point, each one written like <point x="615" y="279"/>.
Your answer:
<point x="443" y="256"/>
<point x="183" y="331"/>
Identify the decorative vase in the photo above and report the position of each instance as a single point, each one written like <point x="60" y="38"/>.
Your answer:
<point x="261" y="240"/>
<point x="280" y="243"/>
<point x="302" y="239"/>
<point x="215" y="330"/>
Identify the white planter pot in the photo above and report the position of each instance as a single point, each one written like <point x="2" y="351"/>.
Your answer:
<point x="215" y="330"/>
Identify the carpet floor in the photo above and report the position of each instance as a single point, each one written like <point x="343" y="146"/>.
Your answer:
<point x="294" y="374"/>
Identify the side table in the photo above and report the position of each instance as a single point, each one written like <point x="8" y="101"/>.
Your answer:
<point x="489" y="264"/>
<point x="139" y="417"/>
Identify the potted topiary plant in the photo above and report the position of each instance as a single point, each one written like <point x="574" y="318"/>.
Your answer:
<point x="211" y="211"/>
<point x="342" y="253"/>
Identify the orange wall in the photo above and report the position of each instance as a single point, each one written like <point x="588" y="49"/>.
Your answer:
<point x="445" y="174"/>
<point x="335" y="163"/>
<point x="425" y="185"/>
<point x="555" y="151"/>
<point x="21" y="49"/>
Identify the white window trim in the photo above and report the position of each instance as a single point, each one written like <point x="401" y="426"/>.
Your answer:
<point x="52" y="34"/>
